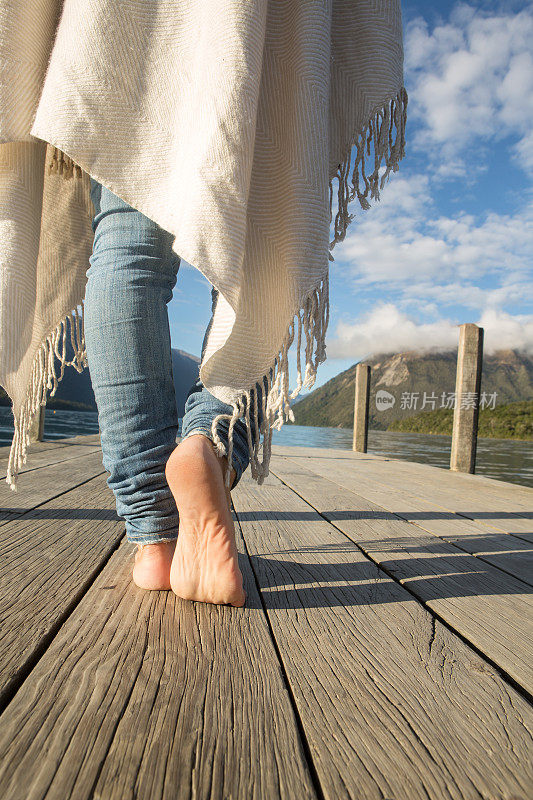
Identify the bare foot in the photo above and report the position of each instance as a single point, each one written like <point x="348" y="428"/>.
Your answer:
<point x="152" y="565"/>
<point x="205" y="565"/>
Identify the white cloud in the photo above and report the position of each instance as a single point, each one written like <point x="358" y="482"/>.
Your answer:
<point x="404" y="240"/>
<point x="504" y="331"/>
<point x="386" y="329"/>
<point x="432" y="296"/>
<point x="471" y="82"/>
<point x="524" y="151"/>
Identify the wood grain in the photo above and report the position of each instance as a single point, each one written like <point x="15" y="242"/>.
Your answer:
<point x="490" y="608"/>
<point x="509" y="553"/>
<point x="143" y="695"/>
<point x="336" y="681"/>
<point x="38" y="486"/>
<point x="497" y="505"/>
<point x="85" y="439"/>
<point x="53" y="455"/>
<point x="393" y="704"/>
<point x="486" y="488"/>
<point x="49" y="557"/>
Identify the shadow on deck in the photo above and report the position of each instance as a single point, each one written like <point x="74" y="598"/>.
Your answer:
<point x="384" y="650"/>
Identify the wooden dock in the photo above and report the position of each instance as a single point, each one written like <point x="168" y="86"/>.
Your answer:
<point x="384" y="652"/>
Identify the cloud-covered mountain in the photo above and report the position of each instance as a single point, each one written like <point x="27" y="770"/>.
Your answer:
<point x="417" y="382"/>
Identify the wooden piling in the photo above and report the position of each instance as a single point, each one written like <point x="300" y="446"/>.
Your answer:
<point x="37" y="427"/>
<point x="467" y="394"/>
<point x="362" y="398"/>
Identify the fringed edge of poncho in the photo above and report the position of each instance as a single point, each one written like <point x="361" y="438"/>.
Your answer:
<point x="380" y="142"/>
<point x="51" y="354"/>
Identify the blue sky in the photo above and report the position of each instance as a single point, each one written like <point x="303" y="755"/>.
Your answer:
<point x="451" y="240"/>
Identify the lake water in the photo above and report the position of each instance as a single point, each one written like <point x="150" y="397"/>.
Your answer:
<point x="504" y="459"/>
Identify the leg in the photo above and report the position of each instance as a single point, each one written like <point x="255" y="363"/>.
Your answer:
<point x="201" y="407"/>
<point x="130" y="280"/>
<point x="205" y="564"/>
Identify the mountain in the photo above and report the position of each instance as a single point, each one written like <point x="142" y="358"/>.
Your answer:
<point x="75" y="392"/>
<point x="507" y="374"/>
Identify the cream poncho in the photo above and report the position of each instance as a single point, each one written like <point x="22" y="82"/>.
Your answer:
<point x="235" y="125"/>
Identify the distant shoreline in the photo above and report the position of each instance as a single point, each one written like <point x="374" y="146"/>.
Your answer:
<point x="54" y="404"/>
<point x="506" y="421"/>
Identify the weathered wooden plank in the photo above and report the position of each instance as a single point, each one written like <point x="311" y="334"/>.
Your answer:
<point x="49" y="557"/>
<point x="38" y="486"/>
<point x="505" y="552"/>
<point x="37" y="447"/>
<point x="486" y="606"/>
<point x="507" y="511"/>
<point x="34" y="447"/>
<point x="55" y="455"/>
<point x="393" y="704"/>
<point x="496" y="504"/>
<point x="143" y="695"/>
<point x="481" y="483"/>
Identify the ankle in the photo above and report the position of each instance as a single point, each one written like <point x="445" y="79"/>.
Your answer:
<point x="175" y="459"/>
<point x="223" y="462"/>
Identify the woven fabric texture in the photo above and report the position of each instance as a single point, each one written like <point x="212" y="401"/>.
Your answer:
<point x="243" y="127"/>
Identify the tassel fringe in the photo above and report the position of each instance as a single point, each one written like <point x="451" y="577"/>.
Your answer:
<point x="380" y="143"/>
<point x="63" y="164"/>
<point x="379" y="133"/>
<point x="312" y="319"/>
<point x="43" y="377"/>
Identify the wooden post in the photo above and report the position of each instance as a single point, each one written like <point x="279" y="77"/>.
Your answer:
<point x="467" y="394"/>
<point x="362" y="397"/>
<point x="37" y="428"/>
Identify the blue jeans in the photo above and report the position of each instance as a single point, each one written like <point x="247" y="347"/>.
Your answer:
<point x="132" y="273"/>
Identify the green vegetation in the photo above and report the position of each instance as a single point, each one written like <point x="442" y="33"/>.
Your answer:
<point x="508" y="421"/>
<point x="438" y="422"/>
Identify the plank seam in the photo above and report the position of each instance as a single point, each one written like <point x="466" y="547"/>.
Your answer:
<point x="503" y="674"/>
<point x="345" y="454"/>
<point x="299" y="723"/>
<point x="49" y="499"/>
<point x="10" y="690"/>
<point x="518" y="535"/>
<point x="418" y="525"/>
<point x="461" y="514"/>
<point x="53" y="463"/>
<point x="458" y="546"/>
